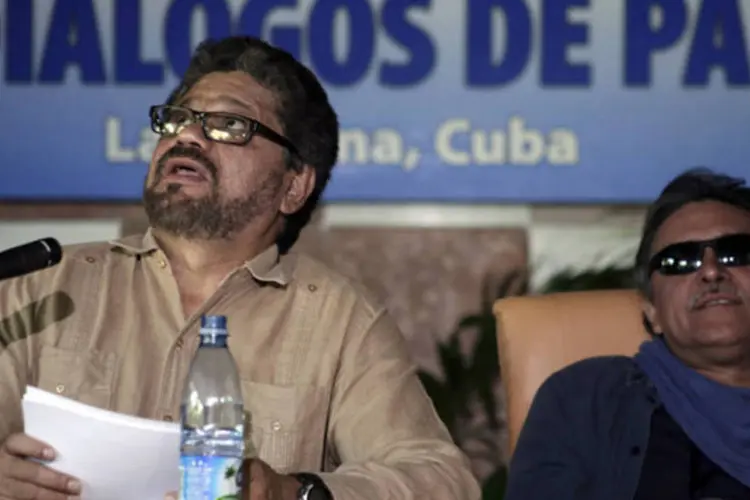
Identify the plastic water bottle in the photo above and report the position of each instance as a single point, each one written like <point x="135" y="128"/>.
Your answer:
<point x="212" y="419"/>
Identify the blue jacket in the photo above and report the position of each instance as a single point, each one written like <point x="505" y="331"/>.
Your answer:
<point x="586" y="434"/>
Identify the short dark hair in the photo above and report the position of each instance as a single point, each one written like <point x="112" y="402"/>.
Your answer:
<point x="694" y="185"/>
<point x="306" y="116"/>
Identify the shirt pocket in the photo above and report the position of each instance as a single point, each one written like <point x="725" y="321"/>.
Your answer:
<point x="286" y="425"/>
<point x="83" y="376"/>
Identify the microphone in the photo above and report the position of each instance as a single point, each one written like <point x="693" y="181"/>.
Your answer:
<point x="29" y="257"/>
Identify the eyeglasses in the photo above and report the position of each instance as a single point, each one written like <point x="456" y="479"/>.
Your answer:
<point x="687" y="257"/>
<point x="228" y="128"/>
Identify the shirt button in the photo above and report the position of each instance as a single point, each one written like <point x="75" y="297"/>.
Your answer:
<point x="167" y="418"/>
<point x="162" y="263"/>
<point x="276" y="426"/>
<point x="312" y="288"/>
<point x="60" y="388"/>
<point x="90" y="260"/>
<point x="635" y="451"/>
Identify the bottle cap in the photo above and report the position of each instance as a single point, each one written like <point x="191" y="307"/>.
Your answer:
<point x="214" y="322"/>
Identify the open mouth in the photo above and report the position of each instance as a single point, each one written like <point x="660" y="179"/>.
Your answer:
<point x="184" y="169"/>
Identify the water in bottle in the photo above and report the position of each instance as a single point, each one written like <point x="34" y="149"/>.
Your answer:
<point x="212" y="421"/>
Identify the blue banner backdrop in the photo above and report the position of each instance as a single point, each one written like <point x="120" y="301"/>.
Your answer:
<point x="452" y="100"/>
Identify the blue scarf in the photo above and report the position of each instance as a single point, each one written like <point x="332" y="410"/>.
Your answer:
<point x="715" y="417"/>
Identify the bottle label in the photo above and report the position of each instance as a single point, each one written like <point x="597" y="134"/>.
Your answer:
<point x="210" y="478"/>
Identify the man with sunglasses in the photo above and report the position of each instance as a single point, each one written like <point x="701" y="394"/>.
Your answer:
<point x="672" y="422"/>
<point x="247" y="144"/>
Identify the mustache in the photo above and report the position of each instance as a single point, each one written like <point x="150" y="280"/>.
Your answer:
<point x="714" y="289"/>
<point x="179" y="151"/>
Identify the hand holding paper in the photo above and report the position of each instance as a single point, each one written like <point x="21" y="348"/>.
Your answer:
<point x="23" y="473"/>
<point x="116" y="457"/>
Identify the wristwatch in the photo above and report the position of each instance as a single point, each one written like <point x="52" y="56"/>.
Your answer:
<point x="313" y="488"/>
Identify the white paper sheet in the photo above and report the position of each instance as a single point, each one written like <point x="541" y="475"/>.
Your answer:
<point x="116" y="457"/>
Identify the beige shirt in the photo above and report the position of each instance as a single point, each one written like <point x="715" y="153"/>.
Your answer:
<point x="326" y="377"/>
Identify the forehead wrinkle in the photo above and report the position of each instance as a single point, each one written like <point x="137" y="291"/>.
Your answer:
<point x="229" y="101"/>
<point x="235" y="85"/>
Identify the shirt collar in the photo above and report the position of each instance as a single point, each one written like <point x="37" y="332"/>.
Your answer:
<point x="267" y="267"/>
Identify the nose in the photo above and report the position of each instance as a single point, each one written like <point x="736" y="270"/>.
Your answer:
<point x="711" y="269"/>
<point x="192" y="136"/>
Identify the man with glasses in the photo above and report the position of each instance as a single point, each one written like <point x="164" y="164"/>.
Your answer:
<point x="673" y="422"/>
<point x="248" y="142"/>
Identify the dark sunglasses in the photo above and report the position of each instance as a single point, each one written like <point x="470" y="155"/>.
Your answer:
<point x="228" y="128"/>
<point x="732" y="250"/>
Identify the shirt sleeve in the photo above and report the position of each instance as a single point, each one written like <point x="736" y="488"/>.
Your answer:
<point x="29" y="308"/>
<point x="386" y="433"/>
<point x="16" y="325"/>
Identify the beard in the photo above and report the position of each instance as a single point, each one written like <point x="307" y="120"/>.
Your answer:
<point x="211" y="216"/>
